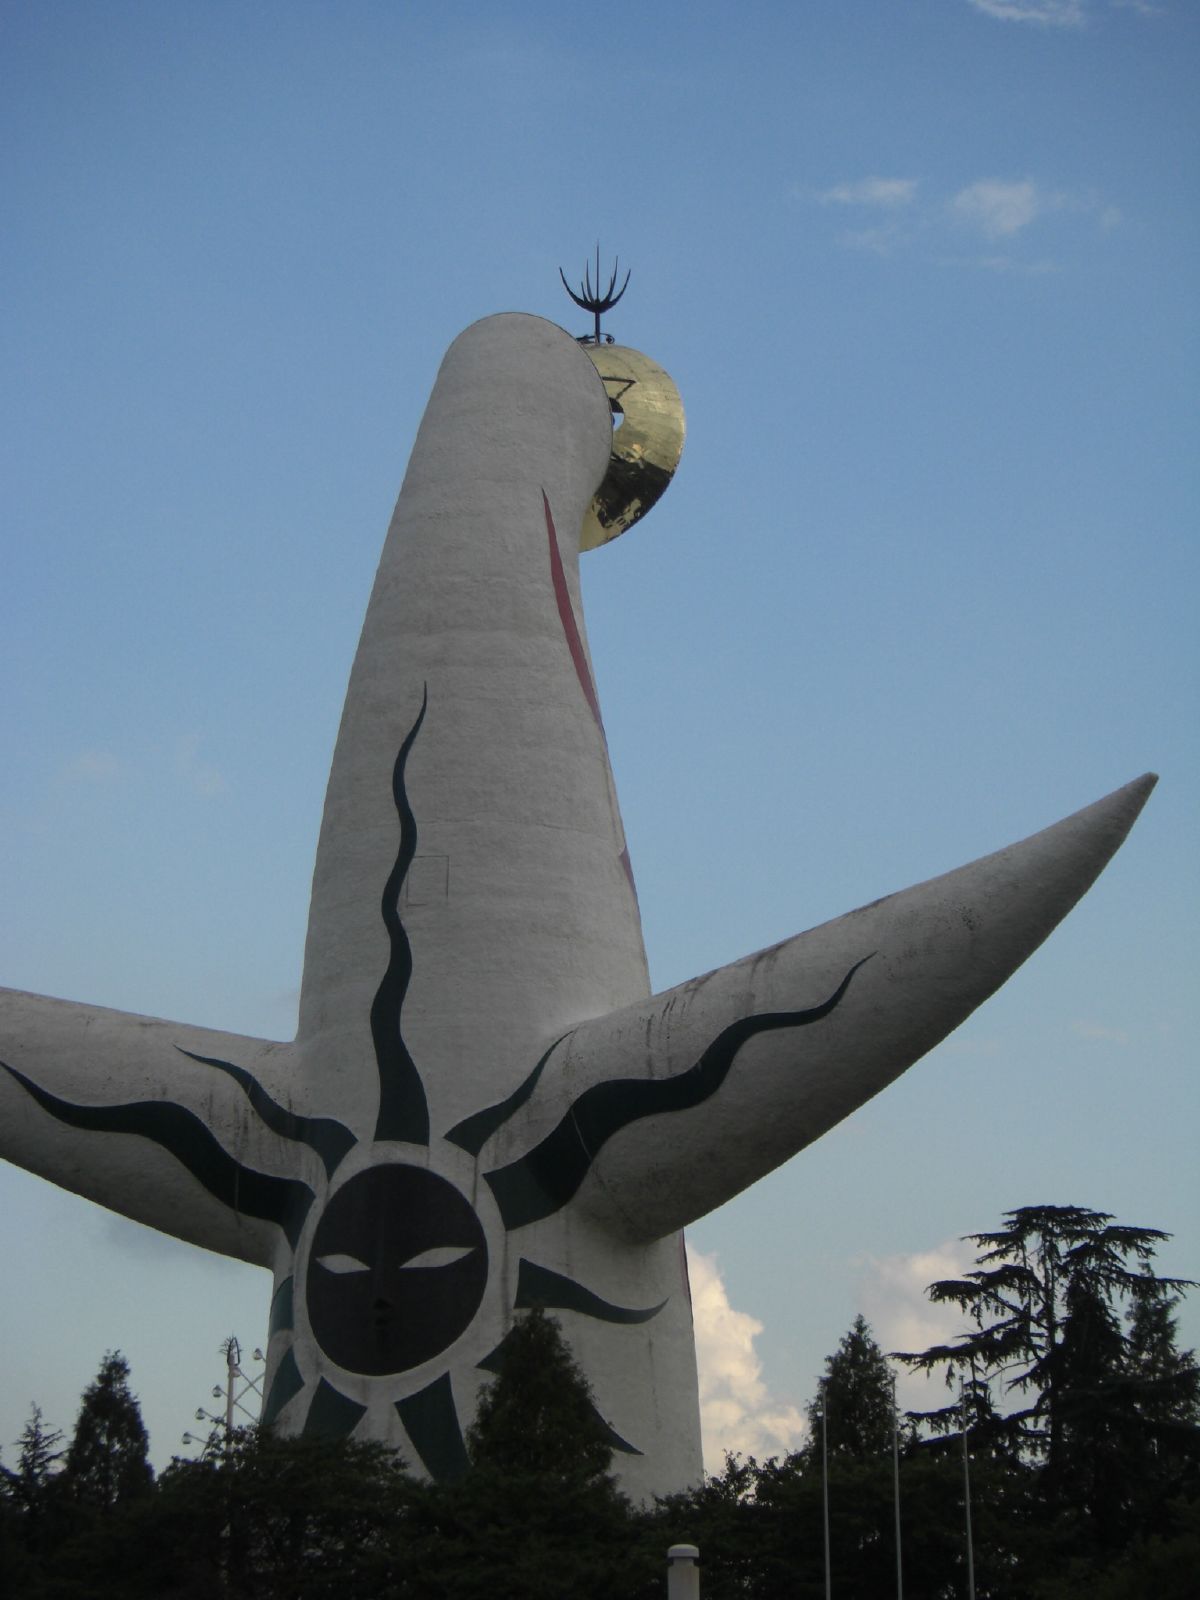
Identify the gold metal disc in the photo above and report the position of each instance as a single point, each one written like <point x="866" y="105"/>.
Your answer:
<point x="647" y="444"/>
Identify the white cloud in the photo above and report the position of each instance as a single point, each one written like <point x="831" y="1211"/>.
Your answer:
<point x="999" y="207"/>
<point x="198" y="775"/>
<point x="887" y="192"/>
<point x="1002" y="207"/>
<point x="996" y="207"/>
<point x="1045" y="13"/>
<point x="891" y="1292"/>
<point x="736" y="1411"/>
<point x="92" y="766"/>
<point x="894" y="214"/>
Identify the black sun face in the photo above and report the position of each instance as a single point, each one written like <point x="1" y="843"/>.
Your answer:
<point x="396" y="1267"/>
<point x="397" y="1270"/>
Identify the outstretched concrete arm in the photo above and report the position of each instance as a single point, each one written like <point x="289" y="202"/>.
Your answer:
<point x="652" y="1116"/>
<point x="118" y="1108"/>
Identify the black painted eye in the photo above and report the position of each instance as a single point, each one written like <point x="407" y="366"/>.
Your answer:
<point x="397" y="1270"/>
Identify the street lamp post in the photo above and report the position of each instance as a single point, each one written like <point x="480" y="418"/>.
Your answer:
<point x="238" y="1385"/>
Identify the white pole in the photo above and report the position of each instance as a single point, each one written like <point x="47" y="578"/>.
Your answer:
<point x="962" y="1404"/>
<point x="825" y="1487"/>
<point x="896" y="1489"/>
<point x="683" y="1577"/>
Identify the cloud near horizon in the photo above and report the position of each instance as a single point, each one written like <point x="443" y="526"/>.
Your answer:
<point x="893" y="1299"/>
<point x="737" y="1413"/>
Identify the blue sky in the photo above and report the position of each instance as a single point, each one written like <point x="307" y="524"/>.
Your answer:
<point x="925" y="582"/>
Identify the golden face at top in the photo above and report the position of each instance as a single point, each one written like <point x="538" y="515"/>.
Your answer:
<point x="648" y="432"/>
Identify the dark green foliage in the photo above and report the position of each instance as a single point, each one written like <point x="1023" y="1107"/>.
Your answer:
<point x="1091" y="1493"/>
<point x="759" y="1526"/>
<point x="721" y="1517"/>
<point x="73" y="1518"/>
<point x="855" y="1398"/>
<point x="1071" y="1372"/>
<point x="1096" y="1330"/>
<point x="263" y="1518"/>
<point x="27" y="1490"/>
<point x="30" y="1504"/>
<point x="108" y="1463"/>
<point x="1045" y="1302"/>
<point x="280" y="1517"/>
<point x="1165" y="1565"/>
<point x="538" y="1513"/>
<point x="538" y="1418"/>
<point x="1168" y="1379"/>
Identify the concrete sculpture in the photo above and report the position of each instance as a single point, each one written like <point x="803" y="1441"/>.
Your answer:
<point x="484" y="1107"/>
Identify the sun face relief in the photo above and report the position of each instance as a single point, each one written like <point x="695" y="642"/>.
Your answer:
<point x="392" y="1267"/>
<point x="397" y="1270"/>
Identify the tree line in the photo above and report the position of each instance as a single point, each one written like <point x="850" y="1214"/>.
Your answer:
<point x="1071" y="1413"/>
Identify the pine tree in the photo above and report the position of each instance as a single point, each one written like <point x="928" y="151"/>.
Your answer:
<point x="30" y="1505"/>
<point x="37" y="1461"/>
<point x="1072" y="1324"/>
<point x="1045" y="1302"/>
<point x="854" y="1403"/>
<point x="1164" y="1402"/>
<point x="107" y="1463"/>
<point x="537" y="1514"/>
<point x="538" y="1418"/>
<point x="1168" y="1378"/>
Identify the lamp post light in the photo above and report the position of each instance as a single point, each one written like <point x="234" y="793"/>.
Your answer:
<point x="237" y="1387"/>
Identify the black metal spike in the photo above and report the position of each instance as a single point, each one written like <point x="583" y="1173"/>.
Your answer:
<point x="592" y="298"/>
<point x="582" y="306"/>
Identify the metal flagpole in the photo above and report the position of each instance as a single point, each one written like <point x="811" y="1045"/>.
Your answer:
<point x="825" y="1484"/>
<point x="962" y="1405"/>
<point x="896" y="1489"/>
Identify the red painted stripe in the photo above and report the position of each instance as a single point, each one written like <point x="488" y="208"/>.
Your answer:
<point x="627" y="869"/>
<point x="567" y="617"/>
<point x="575" y="645"/>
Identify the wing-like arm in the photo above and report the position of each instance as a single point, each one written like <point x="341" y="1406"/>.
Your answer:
<point x="657" y="1113"/>
<point x="157" y="1120"/>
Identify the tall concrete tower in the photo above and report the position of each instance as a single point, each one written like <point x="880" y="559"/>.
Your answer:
<point x="485" y="1108"/>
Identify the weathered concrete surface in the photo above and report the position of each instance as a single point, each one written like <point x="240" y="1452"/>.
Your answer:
<point x="484" y="1108"/>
